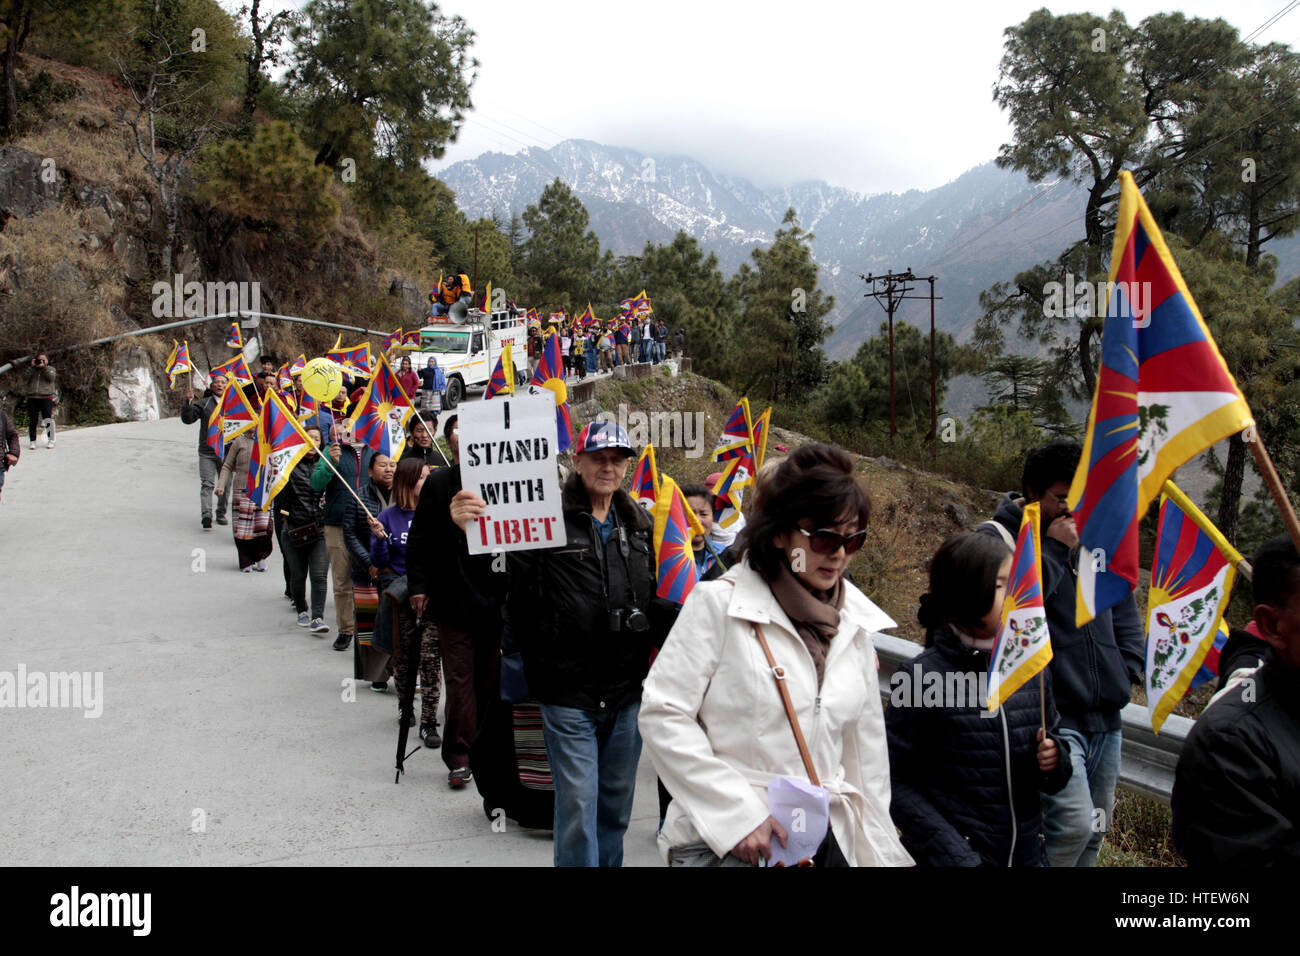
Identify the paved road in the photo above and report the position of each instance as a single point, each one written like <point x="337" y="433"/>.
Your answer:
<point x="220" y="715"/>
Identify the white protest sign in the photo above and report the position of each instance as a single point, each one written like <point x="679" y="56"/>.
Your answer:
<point x="507" y="458"/>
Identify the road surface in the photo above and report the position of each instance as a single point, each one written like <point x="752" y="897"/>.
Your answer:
<point x="227" y="734"/>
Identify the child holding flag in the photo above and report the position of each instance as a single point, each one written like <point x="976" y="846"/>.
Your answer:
<point x="966" y="780"/>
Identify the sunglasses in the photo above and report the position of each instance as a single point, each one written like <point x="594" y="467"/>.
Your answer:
<point x="825" y="541"/>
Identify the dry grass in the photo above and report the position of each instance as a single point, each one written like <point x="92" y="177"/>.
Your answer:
<point x="1140" y="834"/>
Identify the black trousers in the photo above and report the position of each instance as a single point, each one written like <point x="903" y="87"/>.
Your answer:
<point x="38" y="409"/>
<point x="471" y="671"/>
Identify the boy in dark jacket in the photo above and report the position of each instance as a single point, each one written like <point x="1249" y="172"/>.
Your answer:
<point x="1093" y="667"/>
<point x="966" y="780"/>
<point x="1236" y="799"/>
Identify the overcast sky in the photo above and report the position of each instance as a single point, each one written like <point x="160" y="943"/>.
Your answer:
<point x="873" y="96"/>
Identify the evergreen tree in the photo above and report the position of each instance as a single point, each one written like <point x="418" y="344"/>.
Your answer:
<point x="560" y="254"/>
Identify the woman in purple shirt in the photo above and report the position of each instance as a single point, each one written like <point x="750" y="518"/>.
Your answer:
<point x="389" y="555"/>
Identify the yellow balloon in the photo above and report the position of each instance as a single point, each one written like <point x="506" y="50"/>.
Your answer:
<point x="322" y="379"/>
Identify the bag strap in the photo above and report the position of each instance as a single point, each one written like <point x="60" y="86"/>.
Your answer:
<point x="779" y="674"/>
<point x="1003" y="533"/>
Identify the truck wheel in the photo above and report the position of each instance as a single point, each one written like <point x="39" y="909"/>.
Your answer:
<point x="455" y="393"/>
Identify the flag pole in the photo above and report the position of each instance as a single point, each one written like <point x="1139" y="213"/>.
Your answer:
<point x="326" y="458"/>
<point x="1266" y="470"/>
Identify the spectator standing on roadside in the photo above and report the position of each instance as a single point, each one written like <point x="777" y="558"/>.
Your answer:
<point x="407" y="378"/>
<point x="209" y="464"/>
<point x="11" y="446"/>
<point x="679" y="343"/>
<point x="661" y="341"/>
<point x="41" y="387"/>
<point x="433" y="383"/>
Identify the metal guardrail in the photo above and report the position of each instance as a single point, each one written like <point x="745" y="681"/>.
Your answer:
<point x="1148" y="758"/>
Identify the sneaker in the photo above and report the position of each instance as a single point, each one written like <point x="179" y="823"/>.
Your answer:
<point x="32" y="445"/>
<point x="221" y="519"/>
<point x="459" y="777"/>
<point x="260" y="566"/>
<point x="303" y="619"/>
<point x="49" y="443"/>
<point x="246" y="570"/>
<point x="430" y="736"/>
<point x="379" y="686"/>
<point x="342" y="641"/>
<point x="318" y="626"/>
<point x="207" y="522"/>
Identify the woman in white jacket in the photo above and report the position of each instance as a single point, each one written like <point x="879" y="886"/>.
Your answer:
<point x="712" y="718"/>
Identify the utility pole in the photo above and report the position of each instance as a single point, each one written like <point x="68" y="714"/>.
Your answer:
<point x="473" y="280"/>
<point x="890" y="290"/>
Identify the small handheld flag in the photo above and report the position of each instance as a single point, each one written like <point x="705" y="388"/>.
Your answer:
<point x="675" y="525"/>
<point x="236" y="370"/>
<point x="645" y="479"/>
<point x="281" y="443"/>
<point x="737" y="474"/>
<point x="178" y="363"/>
<point x="761" y="427"/>
<point x="391" y="340"/>
<point x="1192" y="573"/>
<point x="1024" y="643"/>
<point x="503" y="375"/>
<point x="235" y="339"/>
<point x="737" y="435"/>
<point x="356" y="359"/>
<point x="1163" y="396"/>
<point x="411" y="339"/>
<point x="298" y="365"/>
<point x="231" y="417"/>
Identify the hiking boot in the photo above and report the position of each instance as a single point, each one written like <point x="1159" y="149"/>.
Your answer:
<point x="318" y="626"/>
<point x="459" y="777"/>
<point x="342" y="641"/>
<point x="303" y="619"/>
<point x="429" y="734"/>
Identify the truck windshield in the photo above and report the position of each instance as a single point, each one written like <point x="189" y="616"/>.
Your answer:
<point x="444" y="342"/>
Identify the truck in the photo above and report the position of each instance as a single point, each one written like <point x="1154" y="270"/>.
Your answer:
<point x="467" y="349"/>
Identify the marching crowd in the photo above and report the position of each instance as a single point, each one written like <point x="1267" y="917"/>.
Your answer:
<point x="559" y="665"/>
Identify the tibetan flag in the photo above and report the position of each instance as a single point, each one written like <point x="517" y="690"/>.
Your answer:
<point x="645" y="479"/>
<point x="391" y="340"/>
<point x="503" y="375"/>
<point x="307" y="406"/>
<point x="550" y="374"/>
<point x="298" y="365"/>
<point x="411" y="339"/>
<point x="534" y="317"/>
<point x="231" y="417"/>
<point x="281" y="443"/>
<point x="737" y="474"/>
<point x="487" y="297"/>
<point x="382" y="413"/>
<point x="1163" y="396"/>
<point x="178" y="363"/>
<point x="556" y="318"/>
<point x="355" y="359"/>
<point x="586" y="316"/>
<point x="236" y="370"/>
<point x="235" y="340"/>
<point x="283" y="377"/>
<point x="1024" y="644"/>
<point x="761" y="425"/>
<point x="675" y="525"/>
<point x="737" y="435"/>
<point x="1192" y="572"/>
<point x="641" y="305"/>
<point x="1210" y="666"/>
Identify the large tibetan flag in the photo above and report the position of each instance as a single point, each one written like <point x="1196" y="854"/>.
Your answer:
<point x="231" y="417"/>
<point x="281" y="443"/>
<point x="392" y="340"/>
<point x="503" y="375"/>
<point x="1163" y="396"/>
<point x="355" y="359"/>
<point x="382" y="412"/>
<point x="550" y="374"/>
<point x="236" y="370"/>
<point x="737" y="435"/>
<point x="178" y="363"/>
<point x="1024" y="644"/>
<point x="762" y="425"/>
<point x="645" y="479"/>
<point x="675" y="525"/>
<point x="1192" y="572"/>
<point x="235" y="339"/>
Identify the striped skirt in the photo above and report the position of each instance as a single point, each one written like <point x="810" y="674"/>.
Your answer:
<point x="530" y="748"/>
<point x="369" y="663"/>
<point x="252" y="528"/>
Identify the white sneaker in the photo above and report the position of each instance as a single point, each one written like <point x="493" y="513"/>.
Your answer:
<point x="32" y="446"/>
<point x="246" y="570"/>
<point x="49" y="443"/>
<point x="260" y="566"/>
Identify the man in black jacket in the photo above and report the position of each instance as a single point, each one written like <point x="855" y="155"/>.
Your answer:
<point x="1093" y="667"/>
<point x="581" y="615"/>
<point x="462" y="594"/>
<point x="1236" y="799"/>
<point x="209" y="464"/>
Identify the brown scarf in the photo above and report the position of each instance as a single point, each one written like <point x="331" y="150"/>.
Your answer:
<point x="814" y="614"/>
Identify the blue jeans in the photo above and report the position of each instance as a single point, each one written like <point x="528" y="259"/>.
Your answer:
<point x="593" y="758"/>
<point x="1076" y="819"/>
